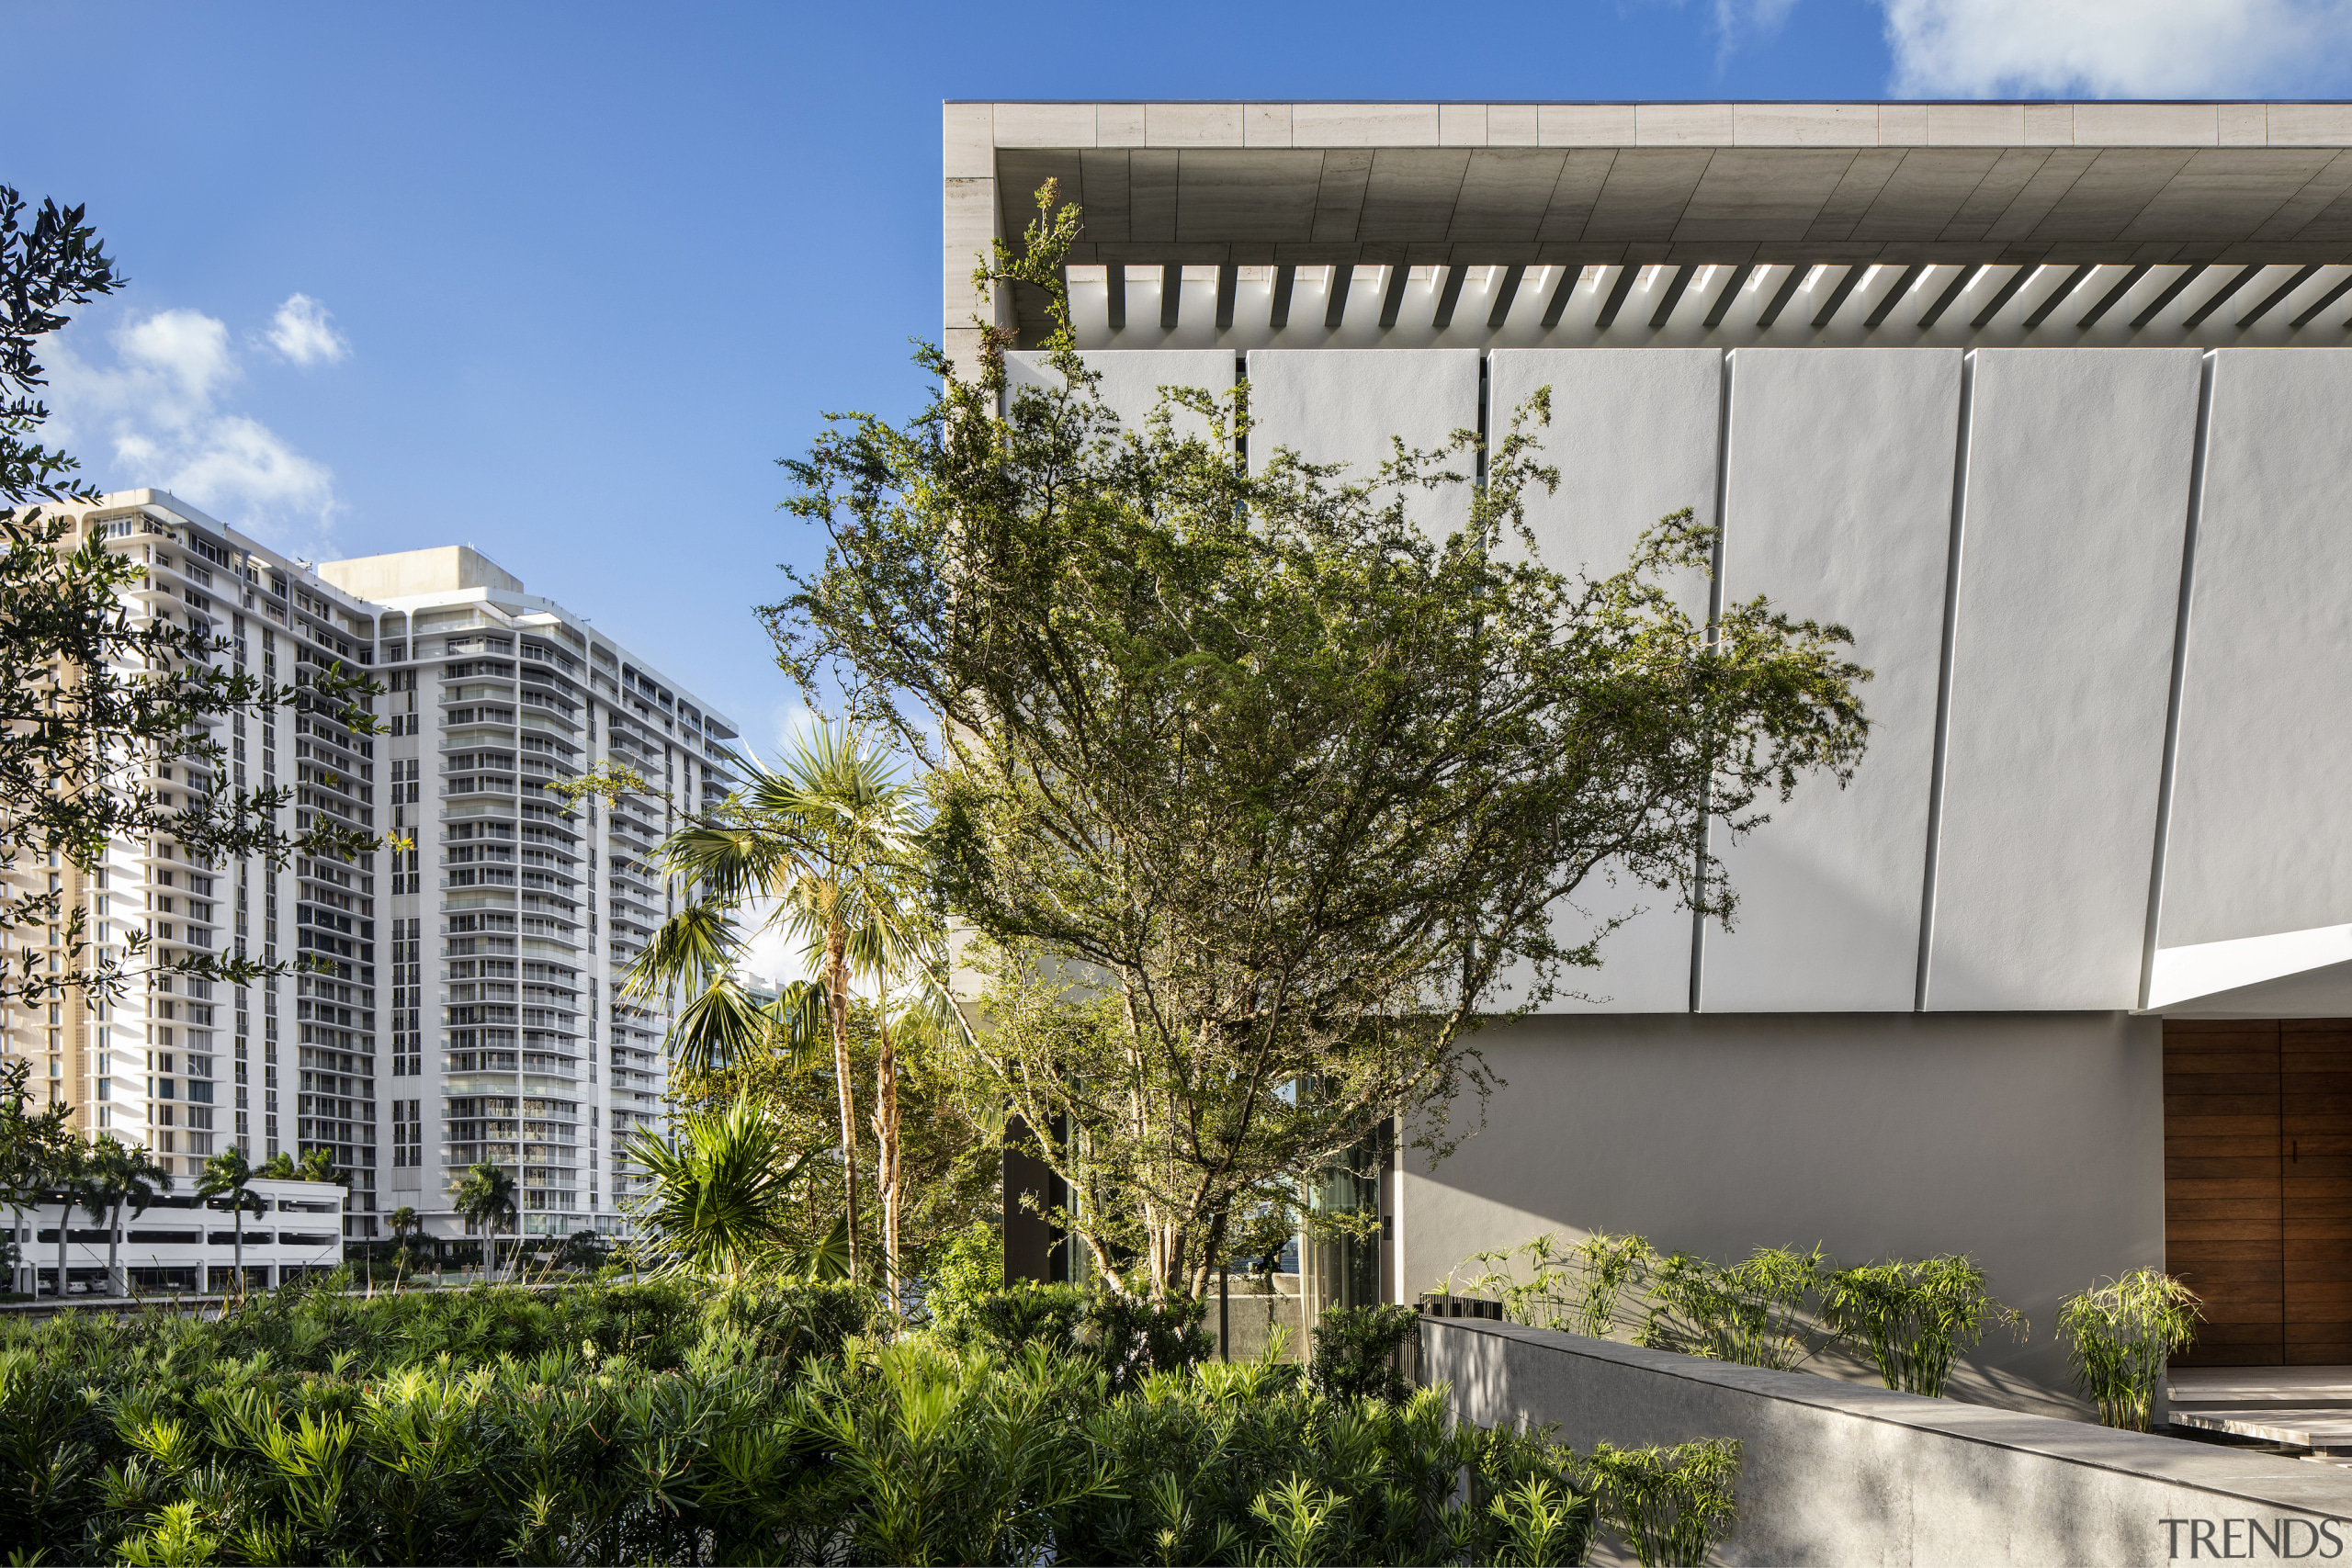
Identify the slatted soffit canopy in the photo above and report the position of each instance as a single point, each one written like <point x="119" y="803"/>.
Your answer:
<point x="1414" y="225"/>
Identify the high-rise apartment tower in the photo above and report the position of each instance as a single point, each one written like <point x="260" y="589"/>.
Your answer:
<point x="471" y="1006"/>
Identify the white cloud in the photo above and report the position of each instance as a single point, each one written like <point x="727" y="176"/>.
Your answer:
<point x="1737" y="21"/>
<point x="795" y="722"/>
<point x="154" y="417"/>
<point x="303" y="332"/>
<point x="772" y="952"/>
<point x="2112" y="47"/>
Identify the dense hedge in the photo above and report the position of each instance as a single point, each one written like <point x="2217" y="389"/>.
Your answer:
<point x="660" y="1423"/>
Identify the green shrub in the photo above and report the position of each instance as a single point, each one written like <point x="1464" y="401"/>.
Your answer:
<point x="1127" y="1338"/>
<point x="1357" y="1349"/>
<point x="666" y="1423"/>
<point x="1575" y="1290"/>
<point x="2118" y="1336"/>
<point x="1672" y="1504"/>
<point x="967" y="1268"/>
<point x="1750" y="1313"/>
<point x="1915" y="1317"/>
<point x="1239" y="1463"/>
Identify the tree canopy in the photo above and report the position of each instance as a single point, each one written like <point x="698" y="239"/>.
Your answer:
<point x="1259" y="796"/>
<point x="95" y="704"/>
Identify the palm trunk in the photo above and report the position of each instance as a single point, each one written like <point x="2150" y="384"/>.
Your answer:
<point x="886" y="1137"/>
<point x="240" y="1253"/>
<point x="837" y="1006"/>
<point x="115" y="1281"/>
<point x="64" y="1217"/>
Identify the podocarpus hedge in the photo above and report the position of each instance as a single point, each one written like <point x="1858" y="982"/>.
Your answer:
<point x="663" y="1423"/>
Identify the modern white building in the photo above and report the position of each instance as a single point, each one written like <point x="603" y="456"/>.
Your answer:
<point x="2045" y="402"/>
<point x="185" y="1243"/>
<point x="471" y="1010"/>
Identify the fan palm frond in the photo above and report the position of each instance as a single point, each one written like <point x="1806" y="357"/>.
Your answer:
<point x="695" y="949"/>
<point x="722" y="1197"/>
<point x="718" y="1028"/>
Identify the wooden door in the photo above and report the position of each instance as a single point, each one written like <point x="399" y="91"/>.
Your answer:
<point x="2315" y="1124"/>
<point x="2225" y="1188"/>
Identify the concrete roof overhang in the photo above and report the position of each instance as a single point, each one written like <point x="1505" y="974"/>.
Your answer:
<point x="1607" y="184"/>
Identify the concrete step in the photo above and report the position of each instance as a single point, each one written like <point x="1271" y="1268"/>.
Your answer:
<point x="2259" y="1387"/>
<point x="2326" y="1430"/>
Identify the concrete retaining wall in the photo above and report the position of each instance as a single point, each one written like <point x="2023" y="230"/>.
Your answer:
<point x="1834" y="1473"/>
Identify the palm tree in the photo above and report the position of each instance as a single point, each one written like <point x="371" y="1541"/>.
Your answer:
<point x="722" y="1199"/>
<point x="402" y="1221"/>
<point x="117" y="1174"/>
<point x="67" y="1162"/>
<point x="828" y="835"/>
<point x="318" y="1165"/>
<point x="30" y="1142"/>
<point x="229" y="1174"/>
<point x="486" y="1195"/>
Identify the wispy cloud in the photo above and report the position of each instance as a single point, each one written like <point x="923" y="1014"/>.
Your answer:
<point x="1738" y="21"/>
<point x="303" y="330"/>
<point x="794" y="723"/>
<point x="2112" y="47"/>
<point x="153" y="413"/>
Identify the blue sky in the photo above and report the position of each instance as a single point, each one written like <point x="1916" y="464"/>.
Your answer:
<point x="572" y="277"/>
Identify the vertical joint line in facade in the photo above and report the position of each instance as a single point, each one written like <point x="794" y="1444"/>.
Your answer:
<point x="1485" y="393"/>
<point x="1714" y="621"/>
<point x="1952" y="565"/>
<point x="2197" y="468"/>
<point x="1241" y="411"/>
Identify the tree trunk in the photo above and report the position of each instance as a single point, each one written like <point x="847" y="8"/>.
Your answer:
<point x="64" y="1218"/>
<point x="837" y="1007"/>
<point x="114" y="1252"/>
<point x="886" y="1137"/>
<point x="240" y="1253"/>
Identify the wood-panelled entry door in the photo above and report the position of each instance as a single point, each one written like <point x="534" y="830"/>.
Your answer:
<point x="2258" y="1186"/>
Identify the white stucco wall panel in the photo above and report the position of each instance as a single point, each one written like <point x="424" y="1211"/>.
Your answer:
<point x="1344" y="406"/>
<point x="2077" y="498"/>
<point x="2034" y="1142"/>
<point x="1635" y="434"/>
<point x="2260" y="841"/>
<point x="1132" y="379"/>
<point x="1838" y="508"/>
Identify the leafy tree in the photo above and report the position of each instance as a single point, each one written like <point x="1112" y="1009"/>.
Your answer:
<point x="91" y="701"/>
<point x="486" y="1195"/>
<point x="1259" y="798"/>
<point x="583" y="1250"/>
<point x="113" y="1175"/>
<point x="45" y="270"/>
<point x="229" y="1174"/>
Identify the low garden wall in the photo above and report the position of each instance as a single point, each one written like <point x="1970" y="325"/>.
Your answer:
<point x="1838" y="1474"/>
